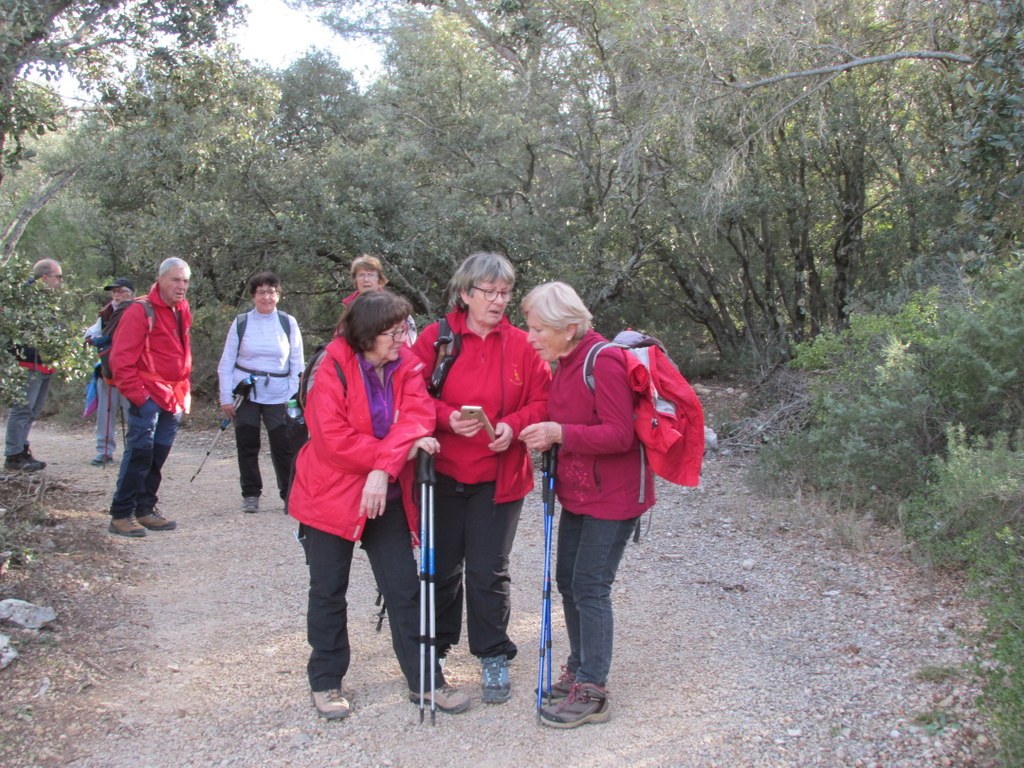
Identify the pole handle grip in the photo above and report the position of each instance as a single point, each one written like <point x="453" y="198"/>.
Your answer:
<point x="425" y="467"/>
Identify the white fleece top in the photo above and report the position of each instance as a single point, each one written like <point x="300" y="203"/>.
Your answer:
<point x="266" y="349"/>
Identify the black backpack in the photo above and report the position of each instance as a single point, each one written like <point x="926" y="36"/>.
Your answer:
<point x="105" y="341"/>
<point x="309" y="374"/>
<point x="448" y="346"/>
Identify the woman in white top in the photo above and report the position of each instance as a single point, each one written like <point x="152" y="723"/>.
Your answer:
<point x="266" y="344"/>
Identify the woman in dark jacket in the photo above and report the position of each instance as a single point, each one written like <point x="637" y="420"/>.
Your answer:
<point x="601" y="483"/>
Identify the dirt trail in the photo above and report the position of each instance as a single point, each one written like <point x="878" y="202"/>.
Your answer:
<point x="744" y="637"/>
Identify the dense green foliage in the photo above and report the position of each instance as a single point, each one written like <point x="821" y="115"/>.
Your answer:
<point x="33" y="316"/>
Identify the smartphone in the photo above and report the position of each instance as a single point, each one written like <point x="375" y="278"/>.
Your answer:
<point x="476" y="412"/>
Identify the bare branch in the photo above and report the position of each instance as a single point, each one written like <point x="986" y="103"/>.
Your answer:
<point x="848" y="65"/>
<point x="13" y="233"/>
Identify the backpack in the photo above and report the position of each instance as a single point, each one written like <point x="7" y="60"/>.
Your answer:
<point x="240" y="324"/>
<point x="105" y="341"/>
<point x="668" y="418"/>
<point x="448" y="346"/>
<point x="243" y="320"/>
<point x="308" y="375"/>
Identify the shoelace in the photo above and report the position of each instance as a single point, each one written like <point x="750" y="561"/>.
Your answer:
<point x="567" y="677"/>
<point x="335" y="695"/>
<point x="492" y="674"/>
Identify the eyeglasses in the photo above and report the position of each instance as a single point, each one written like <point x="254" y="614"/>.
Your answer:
<point x="397" y="333"/>
<point x="267" y="292"/>
<point x="492" y="294"/>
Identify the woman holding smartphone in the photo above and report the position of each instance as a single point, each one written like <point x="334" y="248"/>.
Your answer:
<point x="481" y="481"/>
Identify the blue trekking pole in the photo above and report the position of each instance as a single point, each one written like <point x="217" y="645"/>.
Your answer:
<point x="549" y="465"/>
<point x="428" y="617"/>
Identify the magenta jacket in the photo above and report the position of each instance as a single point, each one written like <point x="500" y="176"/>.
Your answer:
<point x="599" y="469"/>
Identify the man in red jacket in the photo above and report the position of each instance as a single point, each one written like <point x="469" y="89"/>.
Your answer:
<point x="151" y="359"/>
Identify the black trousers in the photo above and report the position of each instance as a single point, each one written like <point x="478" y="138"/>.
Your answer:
<point x="247" y="439"/>
<point x="388" y="546"/>
<point x="473" y="537"/>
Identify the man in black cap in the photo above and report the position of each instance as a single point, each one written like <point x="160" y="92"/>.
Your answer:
<point x="108" y="400"/>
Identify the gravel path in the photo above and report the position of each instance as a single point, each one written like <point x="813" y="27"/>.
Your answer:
<point x="745" y="636"/>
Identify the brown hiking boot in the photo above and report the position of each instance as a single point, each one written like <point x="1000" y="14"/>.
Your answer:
<point x="560" y="688"/>
<point x="154" y="521"/>
<point x="125" y="526"/>
<point x="331" y="705"/>
<point x="586" y="703"/>
<point x="447" y="698"/>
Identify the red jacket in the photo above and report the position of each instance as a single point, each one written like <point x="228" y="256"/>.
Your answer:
<point x="599" y="467"/>
<point x="331" y="469"/>
<point x="504" y="375"/>
<point x="154" y="364"/>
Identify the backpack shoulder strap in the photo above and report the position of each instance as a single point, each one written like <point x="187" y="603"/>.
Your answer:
<point x="591" y="360"/>
<point x="448" y="346"/>
<point x="286" y="325"/>
<point x="240" y="324"/>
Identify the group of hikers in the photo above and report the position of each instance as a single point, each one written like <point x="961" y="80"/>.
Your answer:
<point x="471" y="391"/>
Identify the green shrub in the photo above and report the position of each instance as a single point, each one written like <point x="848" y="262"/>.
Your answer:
<point x="973" y="514"/>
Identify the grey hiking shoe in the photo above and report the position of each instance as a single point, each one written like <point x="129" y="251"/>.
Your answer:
<point x="586" y="703"/>
<point x="251" y="504"/>
<point x="23" y="462"/>
<point x="496" y="687"/>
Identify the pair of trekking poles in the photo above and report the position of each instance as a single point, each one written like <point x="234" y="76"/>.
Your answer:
<point x="427" y="479"/>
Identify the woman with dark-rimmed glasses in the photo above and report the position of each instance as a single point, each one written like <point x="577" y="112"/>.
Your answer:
<point x="368" y="413"/>
<point x="481" y="481"/>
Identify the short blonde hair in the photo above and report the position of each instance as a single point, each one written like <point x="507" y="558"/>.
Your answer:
<point x="368" y="263"/>
<point x="557" y="305"/>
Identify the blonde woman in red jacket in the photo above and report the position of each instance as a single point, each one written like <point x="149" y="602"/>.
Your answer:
<point x="481" y="482"/>
<point x="368" y="414"/>
<point x="599" y="484"/>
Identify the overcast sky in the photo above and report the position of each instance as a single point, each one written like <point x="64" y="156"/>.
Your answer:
<point x="277" y="35"/>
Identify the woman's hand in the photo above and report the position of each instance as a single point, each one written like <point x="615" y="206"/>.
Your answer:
<point x="375" y="492"/>
<point x="464" y="427"/>
<point x="502" y="438"/>
<point x="229" y="410"/>
<point x="428" y="444"/>
<point x="541" y="436"/>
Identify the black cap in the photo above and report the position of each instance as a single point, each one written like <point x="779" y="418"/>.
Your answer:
<point x="121" y="282"/>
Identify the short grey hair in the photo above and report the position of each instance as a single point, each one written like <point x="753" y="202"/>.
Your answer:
<point x="479" y="267"/>
<point x="557" y="305"/>
<point x="44" y="267"/>
<point x="173" y="263"/>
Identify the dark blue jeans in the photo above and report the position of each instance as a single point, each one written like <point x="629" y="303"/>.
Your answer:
<point x="151" y="433"/>
<point x="589" y="552"/>
<point x="473" y="535"/>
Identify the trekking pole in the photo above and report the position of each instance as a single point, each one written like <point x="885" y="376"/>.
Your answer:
<point x="549" y="464"/>
<point x="241" y="391"/>
<point x="428" y="620"/>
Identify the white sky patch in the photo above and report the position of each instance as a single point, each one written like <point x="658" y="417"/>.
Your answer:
<point x="277" y="35"/>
